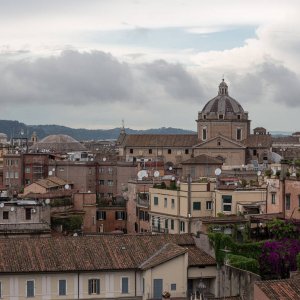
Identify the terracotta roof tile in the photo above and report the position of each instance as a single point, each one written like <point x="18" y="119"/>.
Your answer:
<point x="167" y="252"/>
<point x="160" y="140"/>
<point x="203" y="159"/>
<point x="287" y="289"/>
<point x="105" y="252"/>
<point x="258" y="141"/>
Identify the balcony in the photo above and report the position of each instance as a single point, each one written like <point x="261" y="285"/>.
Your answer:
<point x="142" y="200"/>
<point x="159" y="229"/>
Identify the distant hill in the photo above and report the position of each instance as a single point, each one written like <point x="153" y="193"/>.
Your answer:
<point x="14" y="129"/>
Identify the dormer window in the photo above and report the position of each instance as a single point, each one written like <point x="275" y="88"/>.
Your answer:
<point x="221" y="116"/>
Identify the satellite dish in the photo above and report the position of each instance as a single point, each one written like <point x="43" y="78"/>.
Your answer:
<point x="12" y="209"/>
<point x="156" y="174"/>
<point x="141" y="174"/>
<point x="67" y="186"/>
<point x="53" y="170"/>
<point x="47" y="201"/>
<point x="218" y="171"/>
<point x="50" y="173"/>
<point x="178" y="182"/>
<point x="258" y="173"/>
<point x="2" y="205"/>
<point x="104" y="158"/>
<point x="170" y="168"/>
<point x="173" y="178"/>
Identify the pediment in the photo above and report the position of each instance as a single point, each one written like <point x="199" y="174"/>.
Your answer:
<point x="220" y="142"/>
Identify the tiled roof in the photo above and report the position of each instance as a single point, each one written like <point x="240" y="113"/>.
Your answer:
<point x="89" y="253"/>
<point x="198" y="257"/>
<point x="160" y="140"/>
<point x="285" y="140"/>
<point x="287" y="289"/>
<point x="258" y="141"/>
<point x="167" y="252"/>
<point x="51" y="182"/>
<point x="203" y="159"/>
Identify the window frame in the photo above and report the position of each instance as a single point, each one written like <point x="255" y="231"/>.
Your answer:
<point x="94" y="286"/>
<point x="123" y="291"/>
<point x="224" y="203"/>
<point x="65" y="287"/>
<point x="197" y="205"/>
<point x="28" y="295"/>
<point x="155" y="200"/>
<point x="209" y="205"/>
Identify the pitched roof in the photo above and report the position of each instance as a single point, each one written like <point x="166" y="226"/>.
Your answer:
<point x="203" y="159"/>
<point x="287" y="289"/>
<point x="160" y="140"/>
<point x="258" y="141"/>
<point x="51" y="182"/>
<point x="90" y="253"/>
<point x="167" y="252"/>
<point x="285" y="140"/>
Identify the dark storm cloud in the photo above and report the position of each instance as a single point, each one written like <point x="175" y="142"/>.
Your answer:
<point x="76" y="78"/>
<point x="268" y="82"/>
<point x="175" y="80"/>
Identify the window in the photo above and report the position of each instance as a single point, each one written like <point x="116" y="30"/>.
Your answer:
<point x="227" y="202"/>
<point x="109" y="195"/>
<point x="94" y="286"/>
<point x="155" y="200"/>
<point x="221" y="117"/>
<point x="182" y="226"/>
<point x="172" y="224"/>
<point x="28" y="213"/>
<point x="30" y="288"/>
<point x="208" y="205"/>
<point x="150" y="151"/>
<point x="120" y="215"/>
<point x="101" y="170"/>
<point x="204" y="117"/>
<point x="27" y="170"/>
<point x="169" y="151"/>
<point x="90" y="171"/>
<point x="273" y="198"/>
<point x="165" y="202"/>
<point x="110" y="170"/>
<point x="298" y="200"/>
<point x="101" y="182"/>
<point x="239" y="117"/>
<point x="254" y="152"/>
<point x="0" y="289"/>
<point x="146" y="216"/>
<point x="196" y="205"/>
<point x="186" y="151"/>
<point x="143" y="287"/>
<point x="131" y="151"/>
<point x="5" y="215"/>
<point x="110" y="182"/>
<point x="61" y="169"/>
<point x="173" y="286"/>
<point x="173" y="203"/>
<point x="142" y="215"/>
<point x="27" y="181"/>
<point x="238" y="134"/>
<point x="219" y="143"/>
<point x="166" y="223"/>
<point x="204" y="134"/>
<point x="101" y="215"/>
<point x="288" y="201"/>
<point x="16" y="175"/>
<point x="62" y="287"/>
<point x="124" y="285"/>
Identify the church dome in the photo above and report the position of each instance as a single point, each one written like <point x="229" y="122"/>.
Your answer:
<point x="223" y="104"/>
<point x="58" y="143"/>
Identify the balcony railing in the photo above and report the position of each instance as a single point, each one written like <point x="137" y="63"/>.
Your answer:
<point x="159" y="229"/>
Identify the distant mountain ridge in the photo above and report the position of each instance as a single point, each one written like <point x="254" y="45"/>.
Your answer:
<point x="15" y="128"/>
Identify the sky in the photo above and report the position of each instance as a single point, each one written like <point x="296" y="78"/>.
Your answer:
<point x="151" y="63"/>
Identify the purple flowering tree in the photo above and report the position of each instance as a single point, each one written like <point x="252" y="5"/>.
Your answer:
<point x="278" y="258"/>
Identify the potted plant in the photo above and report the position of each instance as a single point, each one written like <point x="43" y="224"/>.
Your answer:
<point x="166" y="295"/>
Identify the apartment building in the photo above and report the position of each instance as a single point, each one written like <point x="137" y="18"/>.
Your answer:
<point x="107" y="266"/>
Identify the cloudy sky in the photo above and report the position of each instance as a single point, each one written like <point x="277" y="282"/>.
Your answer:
<point x="153" y="63"/>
